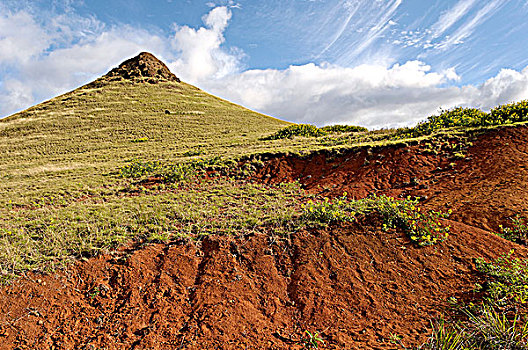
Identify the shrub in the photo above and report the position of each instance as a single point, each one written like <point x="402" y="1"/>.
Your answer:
<point x="422" y="228"/>
<point x="518" y="232"/>
<point x="509" y="113"/>
<point x="468" y="117"/>
<point x="335" y="129"/>
<point x="328" y="211"/>
<point x="509" y="278"/>
<point x="456" y="117"/>
<point x="306" y="130"/>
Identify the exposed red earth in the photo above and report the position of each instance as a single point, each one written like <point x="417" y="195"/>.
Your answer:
<point x="353" y="283"/>
<point x="482" y="189"/>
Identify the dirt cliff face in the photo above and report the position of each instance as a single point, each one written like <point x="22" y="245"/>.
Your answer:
<point x="355" y="284"/>
<point x="144" y="65"/>
<point x="482" y="189"/>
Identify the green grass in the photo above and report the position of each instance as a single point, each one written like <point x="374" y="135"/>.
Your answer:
<point x="49" y="236"/>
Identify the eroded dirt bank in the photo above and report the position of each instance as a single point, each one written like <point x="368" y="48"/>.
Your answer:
<point x="355" y="284"/>
<point x="484" y="188"/>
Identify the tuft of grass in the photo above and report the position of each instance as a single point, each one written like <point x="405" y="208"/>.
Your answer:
<point x="447" y="337"/>
<point x="484" y="329"/>
<point x="493" y="330"/>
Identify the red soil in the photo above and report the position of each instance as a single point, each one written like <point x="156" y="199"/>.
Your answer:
<point x="353" y="283"/>
<point x="483" y="190"/>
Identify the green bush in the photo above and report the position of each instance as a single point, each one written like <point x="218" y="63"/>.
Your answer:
<point x="456" y="117"/>
<point x="422" y="228"/>
<point x="335" y="129"/>
<point x="468" y="117"/>
<point x="518" y="232"/>
<point x="509" y="113"/>
<point x="306" y="130"/>
<point x="328" y="211"/>
<point x="509" y="275"/>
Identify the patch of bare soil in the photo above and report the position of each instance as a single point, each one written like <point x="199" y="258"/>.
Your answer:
<point x="354" y="283"/>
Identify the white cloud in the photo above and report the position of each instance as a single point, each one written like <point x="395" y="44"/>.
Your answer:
<point x="449" y="18"/>
<point x="14" y="96"/>
<point x="21" y="38"/>
<point x="367" y="95"/>
<point x="200" y="54"/>
<point x="82" y="50"/>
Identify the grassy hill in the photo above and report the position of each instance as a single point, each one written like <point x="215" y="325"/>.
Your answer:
<point x="83" y="135"/>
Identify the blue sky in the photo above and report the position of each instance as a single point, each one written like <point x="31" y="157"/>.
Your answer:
<point x="377" y="63"/>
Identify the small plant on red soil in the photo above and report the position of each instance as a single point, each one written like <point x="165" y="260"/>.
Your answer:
<point x="312" y="340"/>
<point x="509" y="279"/>
<point x="423" y="228"/>
<point x="518" y="232"/>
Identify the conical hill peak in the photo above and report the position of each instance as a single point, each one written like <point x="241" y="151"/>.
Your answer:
<point x="144" y="65"/>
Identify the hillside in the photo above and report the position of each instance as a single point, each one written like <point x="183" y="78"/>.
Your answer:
<point x="94" y="129"/>
<point x="139" y="212"/>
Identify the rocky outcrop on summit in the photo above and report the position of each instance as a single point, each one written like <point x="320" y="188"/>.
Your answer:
<point x="144" y="65"/>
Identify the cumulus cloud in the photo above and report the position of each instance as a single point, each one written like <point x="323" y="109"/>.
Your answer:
<point x="367" y="95"/>
<point x="39" y="61"/>
<point x="21" y="38"/>
<point x="200" y="54"/>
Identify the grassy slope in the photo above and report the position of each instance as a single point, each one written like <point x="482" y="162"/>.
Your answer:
<point x="78" y="138"/>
